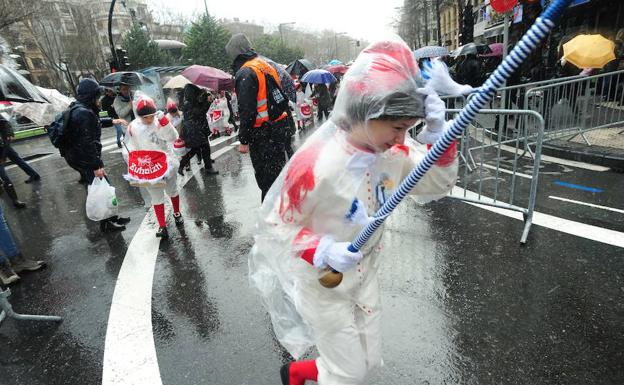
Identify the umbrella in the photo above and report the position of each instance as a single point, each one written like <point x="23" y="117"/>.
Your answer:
<point x="209" y="77"/>
<point x="338" y="69"/>
<point x="318" y="77"/>
<point x="589" y="51"/>
<point x="14" y="87"/>
<point x="44" y="113"/>
<point x="430" y="51"/>
<point x="334" y="62"/>
<point x="125" y="77"/>
<point x="299" y="67"/>
<point x="496" y="48"/>
<point x="177" y="82"/>
<point x="471" y="48"/>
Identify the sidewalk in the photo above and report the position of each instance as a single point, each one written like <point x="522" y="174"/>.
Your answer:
<point x="606" y="149"/>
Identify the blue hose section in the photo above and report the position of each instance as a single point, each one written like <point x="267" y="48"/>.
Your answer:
<point x="540" y="29"/>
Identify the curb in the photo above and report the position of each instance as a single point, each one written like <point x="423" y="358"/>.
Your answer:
<point x="613" y="161"/>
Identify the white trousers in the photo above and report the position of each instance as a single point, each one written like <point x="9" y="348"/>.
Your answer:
<point x="157" y="194"/>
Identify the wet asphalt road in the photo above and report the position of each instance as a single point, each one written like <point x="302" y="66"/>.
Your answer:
<point x="463" y="301"/>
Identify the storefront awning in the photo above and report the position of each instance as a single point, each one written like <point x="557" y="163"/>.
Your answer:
<point x="493" y="31"/>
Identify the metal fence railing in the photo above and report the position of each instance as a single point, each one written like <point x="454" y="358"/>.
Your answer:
<point x="497" y="170"/>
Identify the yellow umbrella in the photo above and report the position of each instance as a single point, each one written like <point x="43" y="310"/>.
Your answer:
<point x="589" y="51"/>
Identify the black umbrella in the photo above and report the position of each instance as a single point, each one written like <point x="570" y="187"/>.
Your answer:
<point x="471" y="48"/>
<point x="16" y="88"/>
<point x="129" y="78"/>
<point x="299" y="67"/>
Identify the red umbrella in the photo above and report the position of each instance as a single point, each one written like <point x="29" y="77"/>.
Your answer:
<point x="209" y="77"/>
<point x="338" y="69"/>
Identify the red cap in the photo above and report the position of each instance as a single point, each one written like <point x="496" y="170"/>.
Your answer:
<point x="171" y="106"/>
<point x="145" y="106"/>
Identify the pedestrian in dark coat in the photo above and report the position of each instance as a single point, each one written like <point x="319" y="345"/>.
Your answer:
<point x="260" y="136"/>
<point x="107" y="105"/>
<point x="195" y="130"/>
<point x="324" y="100"/>
<point x="6" y="151"/>
<point x="83" y="152"/>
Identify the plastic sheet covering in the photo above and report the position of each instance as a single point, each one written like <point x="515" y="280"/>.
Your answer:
<point x="43" y="114"/>
<point x="316" y="189"/>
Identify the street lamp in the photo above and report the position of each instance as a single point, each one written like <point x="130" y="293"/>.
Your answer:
<point x="336" y="34"/>
<point x="280" y="29"/>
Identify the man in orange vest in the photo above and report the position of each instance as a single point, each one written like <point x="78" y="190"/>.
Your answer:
<point x="262" y="131"/>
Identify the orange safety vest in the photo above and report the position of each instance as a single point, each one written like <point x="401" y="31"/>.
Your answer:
<point x="262" y="69"/>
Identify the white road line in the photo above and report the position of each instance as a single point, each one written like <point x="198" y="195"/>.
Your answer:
<point x="587" y="204"/>
<point x="581" y="230"/>
<point x="129" y="350"/>
<point x="506" y="171"/>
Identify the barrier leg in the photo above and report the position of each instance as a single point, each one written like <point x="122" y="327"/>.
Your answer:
<point x="7" y="311"/>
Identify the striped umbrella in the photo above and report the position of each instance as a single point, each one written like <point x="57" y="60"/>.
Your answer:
<point x="430" y="51"/>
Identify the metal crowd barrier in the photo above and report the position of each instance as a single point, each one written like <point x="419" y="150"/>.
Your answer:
<point x="573" y="107"/>
<point x="495" y="169"/>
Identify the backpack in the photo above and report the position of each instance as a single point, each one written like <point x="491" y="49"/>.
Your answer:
<point x="277" y="102"/>
<point x="58" y="130"/>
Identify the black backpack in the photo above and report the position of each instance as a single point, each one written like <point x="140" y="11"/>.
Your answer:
<point x="277" y="102"/>
<point x="58" y="130"/>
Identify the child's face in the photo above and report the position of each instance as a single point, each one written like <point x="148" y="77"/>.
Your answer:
<point x="380" y="135"/>
<point x="147" y="120"/>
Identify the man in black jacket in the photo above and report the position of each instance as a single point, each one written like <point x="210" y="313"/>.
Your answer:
<point x="263" y="138"/>
<point x="84" y="149"/>
<point x="107" y="105"/>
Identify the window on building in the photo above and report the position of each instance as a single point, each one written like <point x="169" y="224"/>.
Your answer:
<point x="37" y="63"/>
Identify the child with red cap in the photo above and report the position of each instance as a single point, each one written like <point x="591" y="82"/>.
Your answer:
<point x="153" y="135"/>
<point x="325" y="196"/>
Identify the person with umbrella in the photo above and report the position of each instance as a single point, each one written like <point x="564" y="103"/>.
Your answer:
<point x="324" y="99"/>
<point x="107" y="105"/>
<point x="195" y="130"/>
<point x="123" y="103"/>
<point x="263" y="119"/>
<point x="83" y="151"/>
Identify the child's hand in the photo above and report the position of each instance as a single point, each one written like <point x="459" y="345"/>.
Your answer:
<point x="435" y="111"/>
<point x="335" y="254"/>
<point x="162" y="118"/>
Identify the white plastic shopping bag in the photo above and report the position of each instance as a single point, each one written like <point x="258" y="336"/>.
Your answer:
<point x="101" y="200"/>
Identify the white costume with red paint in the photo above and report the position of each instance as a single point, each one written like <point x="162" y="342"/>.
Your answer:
<point x="155" y="137"/>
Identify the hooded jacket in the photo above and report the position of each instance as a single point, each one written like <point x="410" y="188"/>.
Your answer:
<point x="195" y="130"/>
<point x="239" y="49"/>
<point x="85" y="128"/>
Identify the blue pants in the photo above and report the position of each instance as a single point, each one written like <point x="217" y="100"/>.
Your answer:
<point x="120" y="133"/>
<point x="9" y="152"/>
<point x="8" y="248"/>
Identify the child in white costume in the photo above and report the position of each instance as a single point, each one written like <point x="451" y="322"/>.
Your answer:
<point x="152" y="131"/>
<point x="325" y="196"/>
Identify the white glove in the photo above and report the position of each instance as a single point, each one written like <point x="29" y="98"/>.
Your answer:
<point x="335" y="254"/>
<point x="435" y="111"/>
<point x="358" y="214"/>
<point x="439" y="79"/>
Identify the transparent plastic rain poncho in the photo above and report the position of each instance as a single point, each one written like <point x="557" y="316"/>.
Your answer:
<point x="218" y="115"/>
<point x="316" y="189"/>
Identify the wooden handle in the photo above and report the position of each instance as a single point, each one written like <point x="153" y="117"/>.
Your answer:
<point x="331" y="278"/>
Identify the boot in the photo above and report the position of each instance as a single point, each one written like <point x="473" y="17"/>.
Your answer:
<point x="108" y="226"/>
<point x="13" y="195"/>
<point x="179" y="221"/>
<point x="7" y="274"/>
<point x="31" y="179"/>
<point x="162" y="233"/>
<point x="210" y="171"/>
<point x="120" y="220"/>
<point x="21" y="263"/>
